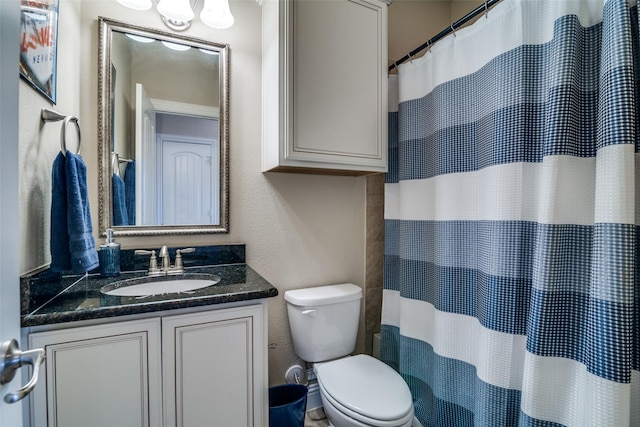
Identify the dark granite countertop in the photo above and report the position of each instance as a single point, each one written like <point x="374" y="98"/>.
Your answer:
<point x="49" y="298"/>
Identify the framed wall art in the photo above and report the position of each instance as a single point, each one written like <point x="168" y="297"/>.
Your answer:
<point x="38" y="45"/>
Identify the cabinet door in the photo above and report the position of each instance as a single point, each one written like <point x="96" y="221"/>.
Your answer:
<point x="329" y="92"/>
<point x="105" y="375"/>
<point x="213" y="364"/>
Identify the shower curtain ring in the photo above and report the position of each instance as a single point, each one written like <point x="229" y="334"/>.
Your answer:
<point x="486" y="9"/>
<point x="453" y="30"/>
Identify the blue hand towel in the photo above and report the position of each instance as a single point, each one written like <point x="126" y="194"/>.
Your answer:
<point x="120" y="216"/>
<point x="82" y="246"/>
<point x="130" y="191"/>
<point x="60" y="256"/>
<point x="76" y="249"/>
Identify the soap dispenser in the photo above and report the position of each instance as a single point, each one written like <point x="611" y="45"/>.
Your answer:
<point x="109" y="256"/>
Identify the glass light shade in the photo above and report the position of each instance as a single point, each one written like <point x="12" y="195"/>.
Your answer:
<point x="136" y="4"/>
<point x="176" y="10"/>
<point x="217" y="14"/>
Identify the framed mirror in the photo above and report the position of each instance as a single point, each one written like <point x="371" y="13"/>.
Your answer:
<point x="163" y="132"/>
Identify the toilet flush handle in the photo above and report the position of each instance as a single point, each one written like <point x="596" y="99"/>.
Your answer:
<point x="309" y="312"/>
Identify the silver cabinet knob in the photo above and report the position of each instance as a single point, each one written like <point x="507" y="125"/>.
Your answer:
<point x="12" y="358"/>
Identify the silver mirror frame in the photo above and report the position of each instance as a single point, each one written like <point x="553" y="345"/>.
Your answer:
<point x="106" y="27"/>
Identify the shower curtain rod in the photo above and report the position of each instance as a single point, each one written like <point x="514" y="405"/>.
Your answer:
<point x="475" y="12"/>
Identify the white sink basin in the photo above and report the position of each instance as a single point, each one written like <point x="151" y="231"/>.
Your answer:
<point x="158" y="286"/>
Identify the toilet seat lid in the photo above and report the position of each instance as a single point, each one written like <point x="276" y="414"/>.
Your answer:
<point x="366" y="386"/>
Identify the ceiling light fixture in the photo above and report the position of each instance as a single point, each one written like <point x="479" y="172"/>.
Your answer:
<point x="178" y="14"/>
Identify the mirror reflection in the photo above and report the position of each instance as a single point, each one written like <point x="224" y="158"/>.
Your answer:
<point x="164" y="132"/>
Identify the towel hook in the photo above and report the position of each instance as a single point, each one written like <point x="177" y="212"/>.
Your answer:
<point x="48" y="115"/>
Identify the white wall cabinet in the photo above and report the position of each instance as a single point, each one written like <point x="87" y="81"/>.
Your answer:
<point x="187" y="370"/>
<point x="324" y="72"/>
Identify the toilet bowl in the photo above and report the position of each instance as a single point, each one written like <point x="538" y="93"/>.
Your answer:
<point x="356" y="391"/>
<point x="363" y="391"/>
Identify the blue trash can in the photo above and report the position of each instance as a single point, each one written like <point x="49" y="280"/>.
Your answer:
<point x="287" y="405"/>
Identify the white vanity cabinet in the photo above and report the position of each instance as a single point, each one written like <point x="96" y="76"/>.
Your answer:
<point x="186" y="370"/>
<point x="324" y="86"/>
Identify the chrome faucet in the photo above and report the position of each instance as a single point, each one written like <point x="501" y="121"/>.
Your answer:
<point x="165" y="265"/>
<point x="165" y="259"/>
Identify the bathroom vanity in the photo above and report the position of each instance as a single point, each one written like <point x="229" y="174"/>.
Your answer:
<point x="181" y="359"/>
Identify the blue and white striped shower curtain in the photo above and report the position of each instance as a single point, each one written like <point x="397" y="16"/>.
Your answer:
<point x="512" y="220"/>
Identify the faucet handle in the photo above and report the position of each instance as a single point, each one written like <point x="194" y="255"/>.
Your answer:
<point x="144" y="252"/>
<point x="153" y="260"/>
<point x="179" y="252"/>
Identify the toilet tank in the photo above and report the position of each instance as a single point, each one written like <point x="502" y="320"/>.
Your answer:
<point x="324" y="320"/>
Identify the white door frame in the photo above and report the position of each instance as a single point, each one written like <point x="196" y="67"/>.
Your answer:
<point x="10" y="414"/>
<point x="145" y="154"/>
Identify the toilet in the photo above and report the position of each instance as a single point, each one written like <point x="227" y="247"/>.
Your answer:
<point x="356" y="391"/>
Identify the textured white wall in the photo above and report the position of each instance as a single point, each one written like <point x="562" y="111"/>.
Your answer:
<point x="413" y="22"/>
<point x="40" y="143"/>
<point x="300" y="230"/>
